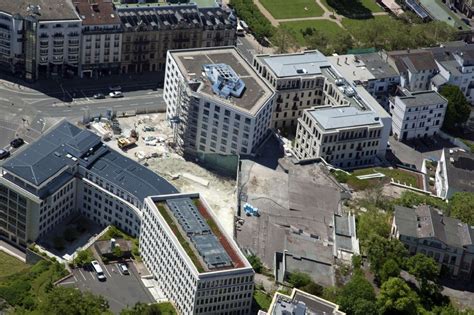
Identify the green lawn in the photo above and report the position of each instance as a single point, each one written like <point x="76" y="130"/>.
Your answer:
<point x="262" y="299"/>
<point x="353" y="8"/>
<point x="10" y="265"/>
<point x="167" y="308"/>
<point x="328" y="28"/>
<point x="397" y="174"/>
<point x="284" y="9"/>
<point x="353" y="25"/>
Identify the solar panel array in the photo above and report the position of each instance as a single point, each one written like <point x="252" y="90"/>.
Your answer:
<point x="199" y="232"/>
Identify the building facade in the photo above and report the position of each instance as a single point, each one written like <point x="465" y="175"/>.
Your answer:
<point x="69" y="171"/>
<point x="149" y="34"/>
<point x="416" y="68"/>
<point x="200" y="273"/>
<point x="297" y="87"/>
<point x="417" y="114"/>
<point x="454" y="173"/>
<point x="101" y="44"/>
<point x="211" y="108"/>
<point x="448" y="241"/>
<point x="11" y="39"/>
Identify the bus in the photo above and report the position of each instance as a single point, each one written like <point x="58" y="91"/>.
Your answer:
<point x="98" y="270"/>
<point x="240" y="30"/>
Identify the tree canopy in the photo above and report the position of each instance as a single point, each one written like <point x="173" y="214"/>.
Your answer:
<point x="396" y="297"/>
<point x="61" y="300"/>
<point x="358" y="292"/>
<point x="462" y="207"/>
<point x="458" y="109"/>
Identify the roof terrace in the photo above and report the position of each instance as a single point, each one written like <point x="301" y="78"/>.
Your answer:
<point x="199" y="235"/>
<point x="191" y="62"/>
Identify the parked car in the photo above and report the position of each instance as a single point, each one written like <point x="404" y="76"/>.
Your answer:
<point x="116" y="94"/>
<point x="99" y="96"/>
<point x="123" y="269"/>
<point x="115" y="88"/>
<point x="148" y="128"/>
<point x="16" y="143"/>
<point x="4" y="154"/>
<point x="149" y="138"/>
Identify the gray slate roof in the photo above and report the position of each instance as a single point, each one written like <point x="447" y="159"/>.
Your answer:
<point x="414" y="99"/>
<point x="460" y="171"/>
<point x="65" y="145"/>
<point x="427" y="222"/>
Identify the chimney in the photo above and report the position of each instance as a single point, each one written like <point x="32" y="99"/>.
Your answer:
<point x="345" y="61"/>
<point x="338" y="61"/>
<point x="112" y="244"/>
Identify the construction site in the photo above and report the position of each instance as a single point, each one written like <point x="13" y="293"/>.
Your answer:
<point x="148" y="139"/>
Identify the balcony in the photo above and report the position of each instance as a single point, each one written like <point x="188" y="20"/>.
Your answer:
<point x="58" y="43"/>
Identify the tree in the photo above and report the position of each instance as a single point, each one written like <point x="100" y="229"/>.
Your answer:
<point x="256" y="263"/>
<point x="396" y="297"/>
<point x="318" y="41"/>
<point x="389" y="269"/>
<point x="150" y="309"/>
<point x="83" y="257"/>
<point x="358" y="288"/>
<point x="283" y="40"/>
<point x="313" y="288"/>
<point x="372" y="222"/>
<point x="458" y="109"/>
<point x="380" y="249"/>
<point x="299" y="279"/>
<point x="63" y="300"/>
<point x="424" y="268"/>
<point x="117" y="251"/>
<point x="462" y="207"/>
<point x="364" y="307"/>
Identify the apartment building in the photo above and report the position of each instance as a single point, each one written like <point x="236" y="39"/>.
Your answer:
<point x="448" y="241"/>
<point x="101" y="38"/>
<point x="417" y="114"/>
<point x="456" y="67"/>
<point x="300" y="303"/>
<point x="150" y="32"/>
<point x="350" y="130"/>
<point x="454" y="173"/>
<point x="216" y="102"/>
<point x="66" y="171"/>
<point x="371" y="71"/>
<point x="196" y="264"/>
<point x="465" y="6"/>
<point x="298" y="81"/>
<point x="11" y="39"/>
<point x="416" y="68"/>
<point x="47" y="35"/>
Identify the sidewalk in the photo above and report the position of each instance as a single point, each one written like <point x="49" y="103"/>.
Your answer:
<point x="12" y="251"/>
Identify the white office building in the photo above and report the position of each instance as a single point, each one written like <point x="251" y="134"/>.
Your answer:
<point x="298" y="81"/>
<point x="350" y="130"/>
<point x="216" y="101"/>
<point x="417" y="114"/>
<point x="196" y="264"/>
<point x="454" y="173"/>
<point x="371" y="71"/>
<point x="68" y="171"/>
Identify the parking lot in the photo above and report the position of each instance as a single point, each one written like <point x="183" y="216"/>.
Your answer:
<point x="119" y="290"/>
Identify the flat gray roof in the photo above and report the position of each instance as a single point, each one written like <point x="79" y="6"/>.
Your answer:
<point x="256" y="92"/>
<point x="48" y="9"/>
<point x="298" y="64"/>
<point x="413" y="99"/>
<point x="65" y="145"/>
<point x="460" y="170"/>
<point x="344" y="117"/>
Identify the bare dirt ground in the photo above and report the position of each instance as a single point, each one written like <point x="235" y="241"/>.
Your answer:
<point x="219" y="192"/>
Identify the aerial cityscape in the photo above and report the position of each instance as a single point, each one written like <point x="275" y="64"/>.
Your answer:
<point x="234" y="157"/>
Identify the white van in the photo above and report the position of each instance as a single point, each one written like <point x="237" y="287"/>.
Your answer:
<point x="98" y="270"/>
<point x="240" y="30"/>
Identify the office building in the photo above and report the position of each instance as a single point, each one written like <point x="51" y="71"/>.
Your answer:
<point x="149" y="32"/>
<point x="68" y="171"/>
<point x="298" y="80"/>
<point x="300" y="303"/>
<point x="417" y="114"/>
<point x="101" y="38"/>
<point x="448" y="241"/>
<point x="196" y="264"/>
<point x="454" y="173"/>
<point x="216" y="102"/>
<point x="371" y="71"/>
